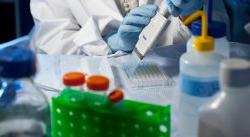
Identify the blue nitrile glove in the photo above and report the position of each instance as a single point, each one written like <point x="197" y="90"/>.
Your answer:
<point x="132" y="25"/>
<point x="183" y="7"/>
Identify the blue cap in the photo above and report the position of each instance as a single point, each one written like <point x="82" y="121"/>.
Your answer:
<point x="215" y="29"/>
<point x="16" y="62"/>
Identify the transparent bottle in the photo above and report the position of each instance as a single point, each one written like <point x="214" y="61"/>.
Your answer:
<point x="24" y="109"/>
<point x="198" y="82"/>
<point x="199" y="71"/>
<point x="228" y="114"/>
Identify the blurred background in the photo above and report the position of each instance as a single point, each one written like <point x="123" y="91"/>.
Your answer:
<point x="15" y="19"/>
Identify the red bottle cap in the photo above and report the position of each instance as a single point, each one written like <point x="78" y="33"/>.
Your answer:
<point x="98" y="83"/>
<point x="116" y="96"/>
<point x="74" y="79"/>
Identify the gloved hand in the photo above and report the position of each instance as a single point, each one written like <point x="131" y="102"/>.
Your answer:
<point x="183" y="7"/>
<point x="132" y="25"/>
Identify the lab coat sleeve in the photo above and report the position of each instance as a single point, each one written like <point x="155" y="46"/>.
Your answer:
<point x="58" y="31"/>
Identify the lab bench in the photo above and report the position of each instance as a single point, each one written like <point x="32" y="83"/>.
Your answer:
<point x="165" y="57"/>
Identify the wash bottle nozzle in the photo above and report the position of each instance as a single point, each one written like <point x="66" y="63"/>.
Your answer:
<point x="203" y="43"/>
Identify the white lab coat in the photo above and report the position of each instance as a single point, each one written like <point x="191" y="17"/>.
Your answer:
<point x="78" y="26"/>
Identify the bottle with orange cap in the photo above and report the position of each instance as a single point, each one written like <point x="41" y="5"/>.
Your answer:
<point x="199" y="71"/>
<point x="115" y="98"/>
<point x="74" y="80"/>
<point x="98" y="84"/>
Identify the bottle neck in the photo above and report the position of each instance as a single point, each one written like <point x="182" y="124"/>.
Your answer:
<point x="206" y="53"/>
<point x="77" y="88"/>
<point x="215" y="38"/>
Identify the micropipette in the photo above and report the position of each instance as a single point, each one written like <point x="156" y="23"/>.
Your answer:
<point x="150" y="34"/>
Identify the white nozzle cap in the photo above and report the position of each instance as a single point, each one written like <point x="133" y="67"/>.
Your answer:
<point x="235" y="73"/>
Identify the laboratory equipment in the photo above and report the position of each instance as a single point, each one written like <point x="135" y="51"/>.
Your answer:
<point x="64" y="64"/>
<point x="215" y="29"/>
<point x="240" y="11"/>
<point x="74" y="80"/>
<point x="128" y="32"/>
<point x="150" y="34"/>
<point x="89" y="116"/>
<point x="199" y="72"/>
<point x="116" y="96"/>
<point x="115" y="99"/>
<point x="145" y="75"/>
<point x="228" y="115"/>
<point x="24" y="109"/>
<point x="98" y="84"/>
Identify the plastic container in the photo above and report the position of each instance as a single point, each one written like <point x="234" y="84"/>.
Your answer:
<point x="215" y="29"/>
<point x="116" y="96"/>
<point x="98" y="84"/>
<point x="74" y="80"/>
<point x="93" y="118"/>
<point x="228" y="115"/>
<point x="145" y="76"/>
<point x="24" y="109"/>
<point x="199" y="72"/>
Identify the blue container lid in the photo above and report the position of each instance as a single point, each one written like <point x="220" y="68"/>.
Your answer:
<point x="215" y="29"/>
<point x="16" y="62"/>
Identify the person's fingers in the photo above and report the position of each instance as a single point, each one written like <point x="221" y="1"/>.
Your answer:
<point x="136" y="20"/>
<point x="131" y="30"/>
<point x="145" y="10"/>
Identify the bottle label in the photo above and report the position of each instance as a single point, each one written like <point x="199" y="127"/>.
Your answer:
<point x="200" y="87"/>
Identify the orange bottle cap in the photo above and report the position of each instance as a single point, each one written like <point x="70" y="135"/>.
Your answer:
<point x="74" y="79"/>
<point x="116" y="96"/>
<point x="98" y="83"/>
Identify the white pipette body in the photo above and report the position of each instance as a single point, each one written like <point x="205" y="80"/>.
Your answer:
<point x="150" y="34"/>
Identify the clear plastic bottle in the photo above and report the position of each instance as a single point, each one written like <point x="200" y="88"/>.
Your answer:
<point x="199" y="72"/>
<point x="24" y="109"/>
<point x="215" y="29"/>
<point x="199" y="82"/>
<point x="228" y="115"/>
